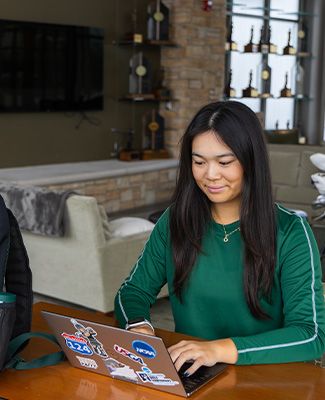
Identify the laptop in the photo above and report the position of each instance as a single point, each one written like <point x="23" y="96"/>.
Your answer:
<point x="121" y="354"/>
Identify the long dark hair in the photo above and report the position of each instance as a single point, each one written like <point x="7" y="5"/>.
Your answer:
<point x="190" y="212"/>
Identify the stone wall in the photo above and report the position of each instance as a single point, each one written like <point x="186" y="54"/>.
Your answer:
<point x="126" y="192"/>
<point x="194" y="70"/>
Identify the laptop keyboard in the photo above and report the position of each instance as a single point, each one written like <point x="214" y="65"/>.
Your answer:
<point x="201" y="376"/>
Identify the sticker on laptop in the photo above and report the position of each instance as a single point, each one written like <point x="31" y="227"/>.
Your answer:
<point x="77" y="344"/>
<point x="128" y="354"/>
<point x="147" y="376"/>
<point x="87" y="362"/>
<point x="89" y="334"/>
<point x="144" y="349"/>
<point x="119" y="370"/>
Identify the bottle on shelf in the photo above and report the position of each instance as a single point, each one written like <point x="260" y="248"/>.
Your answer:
<point x="250" y="91"/>
<point x="264" y="75"/>
<point x="229" y="91"/>
<point x="251" y="47"/>
<point x="289" y="49"/>
<point x="286" y="92"/>
<point x="231" y="45"/>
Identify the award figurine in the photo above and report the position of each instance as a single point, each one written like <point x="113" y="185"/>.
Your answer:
<point x="229" y="91"/>
<point x="263" y="46"/>
<point x="272" y="47"/>
<point x="230" y="44"/>
<point x="302" y="38"/>
<point x="158" y="21"/>
<point x="289" y="50"/>
<point x="264" y="79"/>
<point x="250" y="91"/>
<point x="134" y="36"/>
<point x="251" y="47"/>
<point x="286" y="92"/>
<point x="162" y="92"/>
<point x="140" y="76"/>
<point x="153" y="136"/>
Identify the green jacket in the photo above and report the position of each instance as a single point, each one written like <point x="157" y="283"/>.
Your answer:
<point x="214" y="304"/>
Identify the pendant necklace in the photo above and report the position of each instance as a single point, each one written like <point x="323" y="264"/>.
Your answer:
<point x="226" y="237"/>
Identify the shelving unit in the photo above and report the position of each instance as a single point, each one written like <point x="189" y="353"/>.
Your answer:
<point x="138" y="58"/>
<point x="282" y="112"/>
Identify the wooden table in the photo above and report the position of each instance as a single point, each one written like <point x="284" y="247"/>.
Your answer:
<point x="264" y="382"/>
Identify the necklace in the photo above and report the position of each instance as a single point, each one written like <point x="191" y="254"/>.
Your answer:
<point x="226" y="237"/>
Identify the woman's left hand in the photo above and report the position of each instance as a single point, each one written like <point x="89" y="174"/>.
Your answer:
<point x="205" y="353"/>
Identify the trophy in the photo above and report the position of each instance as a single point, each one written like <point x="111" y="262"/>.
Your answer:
<point x="250" y="91"/>
<point x="272" y="47"/>
<point x="153" y="136"/>
<point x="302" y="38"/>
<point x="229" y="91"/>
<point x="158" y="21"/>
<point x="140" y="76"/>
<point x="286" y="92"/>
<point x="134" y="36"/>
<point x="264" y="79"/>
<point x="251" y="47"/>
<point x="289" y="50"/>
<point x="263" y="47"/>
<point x="162" y="92"/>
<point x="230" y="44"/>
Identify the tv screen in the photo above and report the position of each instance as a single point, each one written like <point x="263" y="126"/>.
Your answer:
<point x="48" y="67"/>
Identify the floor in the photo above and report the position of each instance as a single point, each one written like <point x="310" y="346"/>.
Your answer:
<point x="161" y="315"/>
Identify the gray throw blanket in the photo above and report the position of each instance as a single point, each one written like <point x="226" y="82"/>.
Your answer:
<point x="37" y="209"/>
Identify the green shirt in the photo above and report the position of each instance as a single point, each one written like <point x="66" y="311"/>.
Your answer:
<point x="214" y="304"/>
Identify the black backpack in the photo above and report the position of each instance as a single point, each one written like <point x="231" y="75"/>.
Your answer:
<point x="16" y="297"/>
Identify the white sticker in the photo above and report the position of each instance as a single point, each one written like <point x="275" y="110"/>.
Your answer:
<point x="87" y="362"/>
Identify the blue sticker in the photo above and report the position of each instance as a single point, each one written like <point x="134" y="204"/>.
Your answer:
<point x="77" y="344"/>
<point x="144" y="349"/>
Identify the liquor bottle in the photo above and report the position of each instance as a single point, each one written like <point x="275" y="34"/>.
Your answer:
<point x="302" y="37"/>
<point x="264" y="79"/>
<point x="251" y="47"/>
<point x="289" y="49"/>
<point x="272" y="47"/>
<point x="250" y="91"/>
<point x="229" y="91"/>
<point x="285" y="92"/>
<point x="230" y="44"/>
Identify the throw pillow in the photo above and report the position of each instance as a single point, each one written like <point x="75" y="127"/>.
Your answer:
<point x="127" y="226"/>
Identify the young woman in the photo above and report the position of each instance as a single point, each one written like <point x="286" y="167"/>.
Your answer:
<point x="242" y="272"/>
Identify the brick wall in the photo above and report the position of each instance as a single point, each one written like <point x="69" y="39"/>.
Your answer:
<point x="194" y="70"/>
<point x="128" y="191"/>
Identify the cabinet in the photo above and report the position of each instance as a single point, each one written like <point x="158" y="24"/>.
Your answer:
<point x="267" y="63"/>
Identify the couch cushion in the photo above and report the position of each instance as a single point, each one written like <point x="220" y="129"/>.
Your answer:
<point x="284" y="167"/>
<point x="127" y="226"/>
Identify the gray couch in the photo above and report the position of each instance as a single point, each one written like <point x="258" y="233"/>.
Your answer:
<point x="291" y="170"/>
<point x="88" y="264"/>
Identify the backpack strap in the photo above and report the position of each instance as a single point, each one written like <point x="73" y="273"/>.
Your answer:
<point x="16" y="362"/>
<point x="19" y="278"/>
<point x="4" y="241"/>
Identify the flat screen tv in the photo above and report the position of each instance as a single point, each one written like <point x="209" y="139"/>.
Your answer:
<point x="49" y="67"/>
